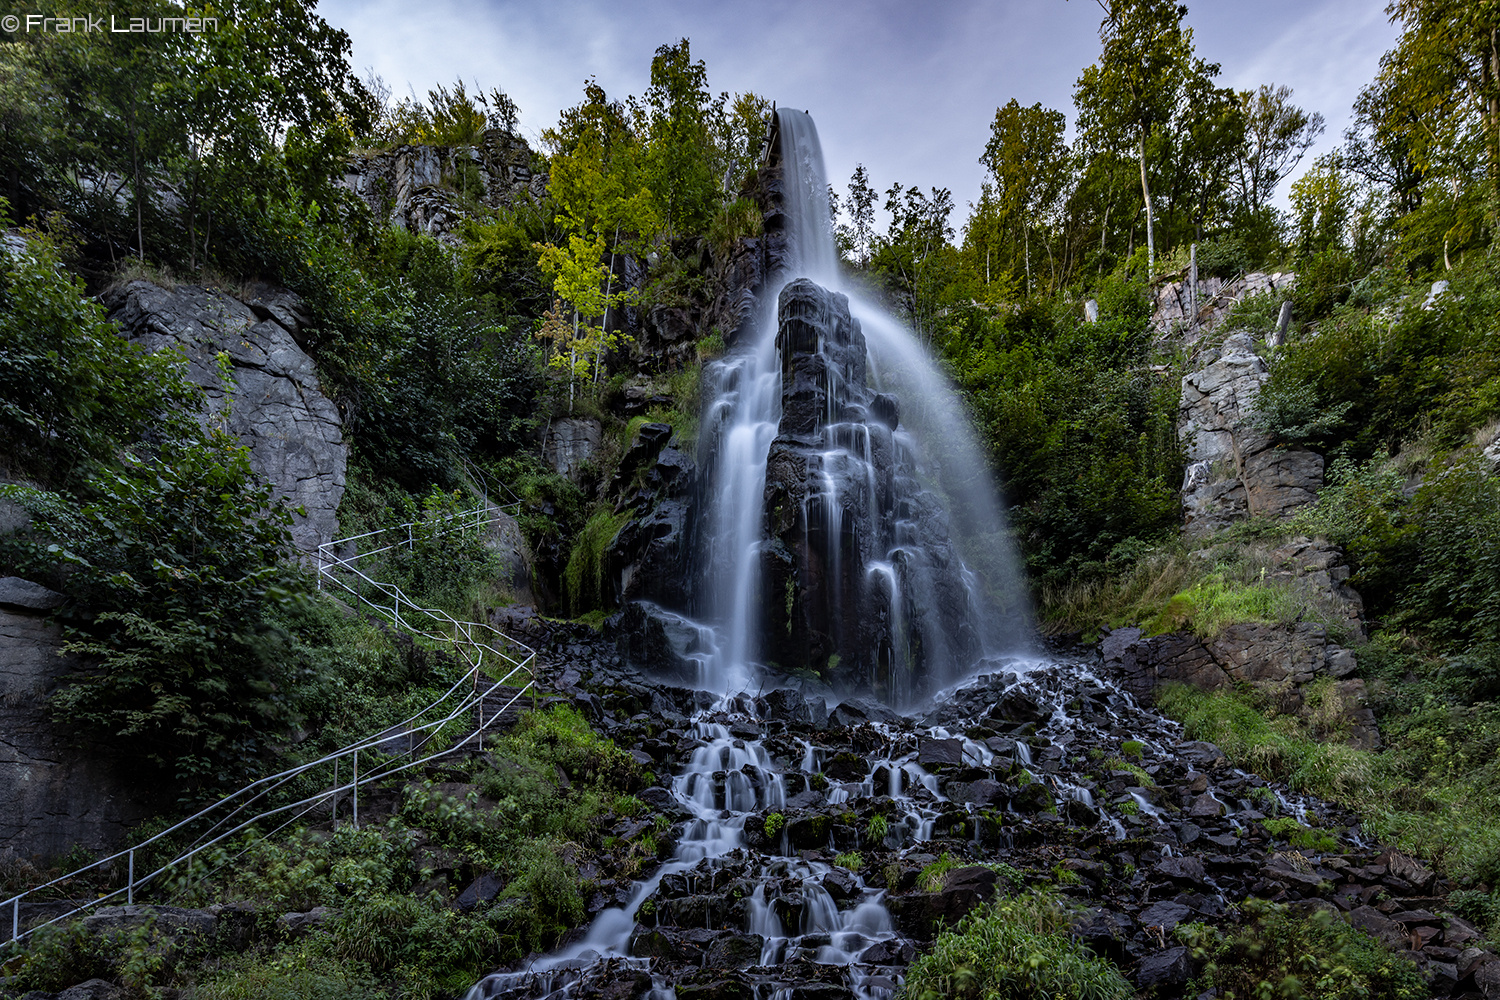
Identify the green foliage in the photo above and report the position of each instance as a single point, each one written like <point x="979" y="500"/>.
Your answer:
<point x="1369" y="382"/>
<point x="584" y="576"/>
<point x="1280" y="953"/>
<point x="877" y="828"/>
<point x="1132" y="749"/>
<point x="71" y="389"/>
<point x="851" y="860"/>
<point x="308" y="971"/>
<point x="1428" y="560"/>
<point x="737" y="220"/>
<point x="1479" y="908"/>
<point x="1017" y="947"/>
<point x="932" y="877"/>
<point x="1432" y="791"/>
<point x="1214" y="603"/>
<point x="174" y="558"/>
<point x="1297" y="835"/>
<point x="1080" y="430"/>
<point x="773" y="824"/>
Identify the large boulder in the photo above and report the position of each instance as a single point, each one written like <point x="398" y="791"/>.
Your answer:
<point x="1279" y="660"/>
<point x="569" y="443"/>
<point x="273" y="403"/>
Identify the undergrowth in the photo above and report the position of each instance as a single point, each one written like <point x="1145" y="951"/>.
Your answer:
<point x="1431" y="791"/>
<point x="1018" y="946"/>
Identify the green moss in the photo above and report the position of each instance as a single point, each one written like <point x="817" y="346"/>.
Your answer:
<point x="773" y="824"/>
<point x="1300" y="836"/>
<point x="584" y="576"/>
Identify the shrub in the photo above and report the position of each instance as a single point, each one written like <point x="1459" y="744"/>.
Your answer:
<point x="1017" y="947"/>
<point x="1280" y="954"/>
<point x="71" y="389"/>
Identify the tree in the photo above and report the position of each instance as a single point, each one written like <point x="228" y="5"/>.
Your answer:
<point x="1277" y="135"/>
<point x="679" y="151"/>
<point x="1030" y="166"/>
<point x="861" y="208"/>
<point x="581" y="282"/>
<point x="1443" y="77"/>
<point x="919" y="233"/>
<point x="1138" y="90"/>
<point x="598" y="171"/>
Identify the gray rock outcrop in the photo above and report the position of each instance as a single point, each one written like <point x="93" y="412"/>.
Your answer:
<point x="569" y="443"/>
<point x="275" y="406"/>
<point x="1236" y="470"/>
<point x="1178" y="311"/>
<point x="1280" y="661"/>
<point x="56" y="795"/>
<point x="424" y="188"/>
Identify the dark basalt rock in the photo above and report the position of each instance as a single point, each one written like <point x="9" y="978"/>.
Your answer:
<point x="860" y="580"/>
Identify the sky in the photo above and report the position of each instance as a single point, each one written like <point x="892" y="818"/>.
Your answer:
<point x="907" y="88"/>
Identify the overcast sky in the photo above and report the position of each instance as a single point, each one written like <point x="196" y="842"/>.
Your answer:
<point x="907" y="88"/>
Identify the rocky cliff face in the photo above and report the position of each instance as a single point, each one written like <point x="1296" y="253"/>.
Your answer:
<point x="1235" y="470"/>
<point x="275" y="405"/>
<point x="56" y="793"/>
<point x="1190" y="312"/>
<point x="423" y="188"/>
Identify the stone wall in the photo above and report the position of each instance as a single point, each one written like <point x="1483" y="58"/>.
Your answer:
<point x="56" y="794"/>
<point x="275" y="405"/>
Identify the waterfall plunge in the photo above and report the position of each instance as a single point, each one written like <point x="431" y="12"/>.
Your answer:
<point x="903" y="546"/>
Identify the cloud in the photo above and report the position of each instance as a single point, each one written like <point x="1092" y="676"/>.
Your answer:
<point x="908" y="89"/>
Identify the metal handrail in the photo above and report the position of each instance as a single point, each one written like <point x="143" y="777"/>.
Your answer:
<point x="232" y="808"/>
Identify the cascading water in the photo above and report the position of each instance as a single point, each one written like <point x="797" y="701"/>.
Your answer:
<point x="850" y="528"/>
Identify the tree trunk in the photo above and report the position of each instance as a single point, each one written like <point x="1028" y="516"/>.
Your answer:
<point x="1150" y="232"/>
<point x="135" y="168"/>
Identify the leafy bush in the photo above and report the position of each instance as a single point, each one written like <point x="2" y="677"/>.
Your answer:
<point x="1018" y="947"/>
<point x="72" y="390"/>
<point x="1281" y="954"/>
<point x="1079" y="428"/>
<point x="174" y="557"/>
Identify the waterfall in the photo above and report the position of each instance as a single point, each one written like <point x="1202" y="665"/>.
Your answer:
<point x="877" y="553"/>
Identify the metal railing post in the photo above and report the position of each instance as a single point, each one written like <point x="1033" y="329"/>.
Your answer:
<point x="355" y="789"/>
<point x="15" y="919"/>
<point x="130" y="880"/>
<point x="335" y="820"/>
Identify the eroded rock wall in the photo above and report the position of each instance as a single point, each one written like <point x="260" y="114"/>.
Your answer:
<point x="56" y="794"/>
<point x="275" y="405"/>
<point x="1235" y="469"/>
<point x="424" y="188"/>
